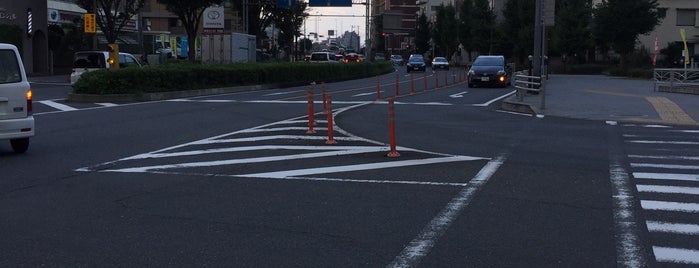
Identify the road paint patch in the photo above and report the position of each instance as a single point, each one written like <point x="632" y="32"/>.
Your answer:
<point x="670" y="111"/>
<point x="670" y="206"/>
<point x="667" y="189"/>
<point x="666" y="176"/>
<point x="419" y="247"/>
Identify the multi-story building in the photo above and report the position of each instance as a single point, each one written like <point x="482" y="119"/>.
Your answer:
<point x="25" y="24"/>
<point x="679" y="14"/>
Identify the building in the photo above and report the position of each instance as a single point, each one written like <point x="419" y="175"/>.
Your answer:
<point x="25" y="24"/>
<point x="679" y="14"/>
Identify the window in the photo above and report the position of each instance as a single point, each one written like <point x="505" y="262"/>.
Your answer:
<point x="686" y="17"/>
<point x="9" y="69"/>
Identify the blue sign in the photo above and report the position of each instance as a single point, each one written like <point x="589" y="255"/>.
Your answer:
<point x="184" y="46"/>
<point x="286" y="3"/>
<point x="330" y="3"/>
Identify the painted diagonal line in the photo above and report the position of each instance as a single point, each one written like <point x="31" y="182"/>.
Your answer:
<point x="275" y="137"/>
<point x="244" y="161"/>
<point x="667" y="189"/>
<point x="670" y="206"/>
<point x="667" y="157"/>
<point x="423" y="243"/>
<point x="254" y="148"/>
<point x="57" y="105"/>
<point x="676" y="255"/>
<point x="664" y="142"/>
<point x="666" y="176"/>
<point x="358" y="167"/>
<point x="674" y="228"/>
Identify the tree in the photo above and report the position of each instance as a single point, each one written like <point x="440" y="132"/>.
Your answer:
<point x="466" y="26"/>
<point x="112" y="15"/>
<point x="422" y="34"/>
<point x="572" y="35"/>
<point x="639" y="17"/>
<point x="189" y="12"/>
<point x="445" y="30"/>
<point x="289" y="21"/>
<point x="483" y="21"/>
<point x="518" y="28"/>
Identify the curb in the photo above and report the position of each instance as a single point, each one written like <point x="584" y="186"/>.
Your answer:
<point x="92" y="98"/>
<point x="513" y="105"/>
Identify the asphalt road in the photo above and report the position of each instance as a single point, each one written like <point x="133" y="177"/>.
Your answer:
<point x="235" y="181"/>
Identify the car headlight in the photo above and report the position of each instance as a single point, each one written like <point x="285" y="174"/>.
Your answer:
<point x="471" y="72"/>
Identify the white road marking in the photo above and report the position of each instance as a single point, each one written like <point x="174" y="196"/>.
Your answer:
<point x="667" y="189"/>
<point x="58" y="106"/>
<point x="666" y="157"/>
<point x="515" y="113"/>
<point x="252" y="148"/>
<point x="676" y="255"/>
<point x="675" y="228"/>
<point x="648" y="165"/>
<point x="458" y="95"/>
<point x="686" y="131"/>
<point x="275" y="137"/>
<point x="666" y="176"/>
<point x="494" y="100"/>
<point x="664" y="142"/>
<point x="106" y="104"/>
<point x="670" y="206"/>
<point x="630" y="252"/>
<point x="357" y="167"/>
<point x="423" y="243"/>
<point x="283" y="93"/>
<point x="366" y="94"/>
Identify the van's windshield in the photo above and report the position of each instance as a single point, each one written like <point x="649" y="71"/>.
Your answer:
<point x="89" y="60"/>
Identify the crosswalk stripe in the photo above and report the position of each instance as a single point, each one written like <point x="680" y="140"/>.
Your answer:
<point x="676" y="255"/>
<point x="667" y="189"/>
<point x="670" y="206"/>
<point x="665" y="157"/>
<point x="665" y="142"/>
<point x="675" y="228"/>
<point x="666" y="176"/>
<point x="649" y="165"/>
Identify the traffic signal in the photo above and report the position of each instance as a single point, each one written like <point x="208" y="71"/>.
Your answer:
<point x="113" y="59"/>
<point x="407" y="46"/>
<point x="383" y="34"/>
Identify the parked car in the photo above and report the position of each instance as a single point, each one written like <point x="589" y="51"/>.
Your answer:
<point x="16" y="120"/>
<point x="88" y="61"/>
<point x="352" y="57"/>
<point x="416" y="63"/>
<point x="323" y="57"/>
<point x="380" y="57"/>
<point x="440" y="63"/>
<point x="489" y="71"/>
<point x="397" y="60"/>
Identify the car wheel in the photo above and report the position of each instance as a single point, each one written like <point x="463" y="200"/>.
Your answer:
<point x="20" y="145"/>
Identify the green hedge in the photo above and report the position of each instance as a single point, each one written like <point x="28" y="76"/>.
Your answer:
<point x="188" y="76"/>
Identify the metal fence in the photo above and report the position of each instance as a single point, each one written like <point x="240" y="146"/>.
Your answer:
<point x="676" y="77"/>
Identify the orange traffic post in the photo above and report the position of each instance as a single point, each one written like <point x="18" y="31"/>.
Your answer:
<point x="311" y="120"/>
<point x="412" y="85"/>
<point x="397" y="86"/>
<point x="392" y="130"/>
<point x="436" y="81"/>
<point x="378" y="88"/>
<point x="329" y="112"/>
<point x="424" y="81"/>
<point x="322" y="89"/>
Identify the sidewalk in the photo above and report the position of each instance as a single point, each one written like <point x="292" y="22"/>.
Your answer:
<point x="599" y="97"/>
<point x="59" y="79"/>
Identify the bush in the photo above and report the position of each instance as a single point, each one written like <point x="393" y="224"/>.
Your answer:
<point x="188" y="76"/>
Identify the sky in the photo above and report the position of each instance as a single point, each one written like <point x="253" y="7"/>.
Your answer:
<point x="341" y="24"/>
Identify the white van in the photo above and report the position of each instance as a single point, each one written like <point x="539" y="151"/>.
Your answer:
<point x="16" y="120"/>
<point x="88" y="61"/>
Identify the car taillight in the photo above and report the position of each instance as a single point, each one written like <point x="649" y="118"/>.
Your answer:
<point x="29" y="102"/>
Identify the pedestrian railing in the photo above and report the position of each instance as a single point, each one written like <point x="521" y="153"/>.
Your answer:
<point x="524" y="83"/>
<point x="676" y="77"/>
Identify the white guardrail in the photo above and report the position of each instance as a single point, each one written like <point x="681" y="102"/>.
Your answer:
<point x="675" y="77"/>
<point x="524" y="83"/>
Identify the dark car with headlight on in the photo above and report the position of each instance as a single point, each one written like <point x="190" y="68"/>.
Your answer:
<point x="489" y="71"/>
<point x="416" y="63"/>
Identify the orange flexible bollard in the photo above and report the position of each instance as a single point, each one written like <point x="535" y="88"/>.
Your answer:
<point x="329" y="112"/>
<point x="311" y="120"/>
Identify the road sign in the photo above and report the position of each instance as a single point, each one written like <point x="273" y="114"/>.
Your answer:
<point x="90" y="23"/>
<point x="330" y="3"/>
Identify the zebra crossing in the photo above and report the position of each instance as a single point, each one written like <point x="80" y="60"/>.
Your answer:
<point x="664" y="164"/>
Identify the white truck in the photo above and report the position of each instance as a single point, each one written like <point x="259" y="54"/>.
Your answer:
<point x="16" y="120"/>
